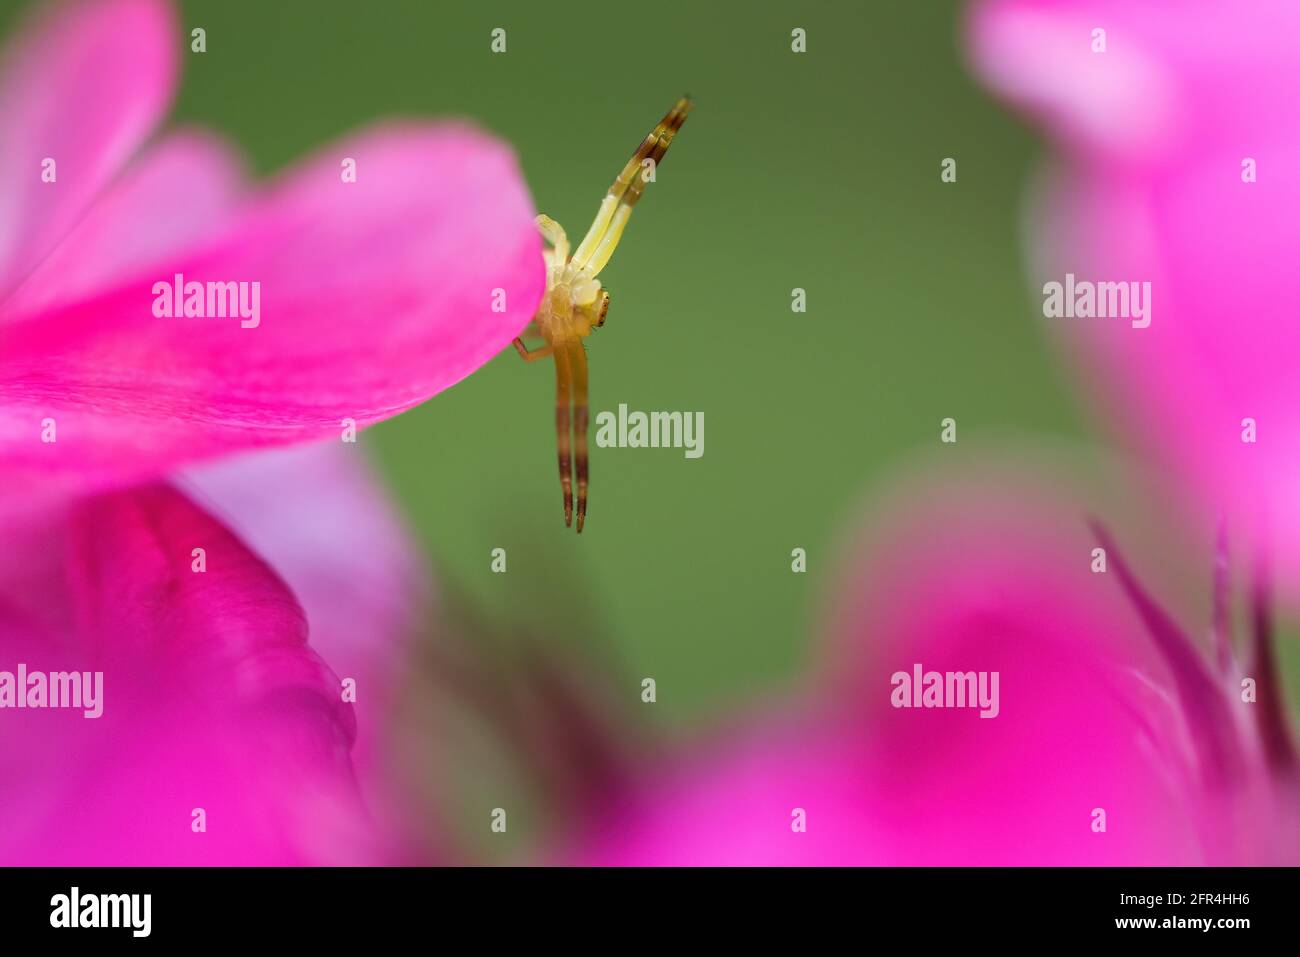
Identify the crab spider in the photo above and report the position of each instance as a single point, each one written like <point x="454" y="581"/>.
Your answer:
<point x="575" y="303"/>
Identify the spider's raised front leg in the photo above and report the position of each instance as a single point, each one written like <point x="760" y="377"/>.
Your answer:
<point x="557" y="257"/>
<point x="598" y="245"/>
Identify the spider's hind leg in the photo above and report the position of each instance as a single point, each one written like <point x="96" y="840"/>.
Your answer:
<point x="578" y="366"/>
<point x="563" y="436"/>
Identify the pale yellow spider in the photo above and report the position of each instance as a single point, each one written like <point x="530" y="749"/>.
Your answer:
<point x="575" y="303"/>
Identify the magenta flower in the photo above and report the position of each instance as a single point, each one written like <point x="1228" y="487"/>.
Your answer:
<point x="321" y="519"/>
<point x="371" y="296"/>
<point x="1108" y="738"/>
<point x="211" y="698"/>
<point x="1175" y="135"/>
<point x="215" y="735"/>
<point x="203" y="729"/>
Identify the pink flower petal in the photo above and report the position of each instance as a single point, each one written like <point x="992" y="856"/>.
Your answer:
<point x="1154" y="134"/>
<point x="320" y="517"/>
<point x="966" y="582"/>
<point x="1175" y="76"/>
<point x="736" y="803"/>
<point x="1086" y="715"/>
<point x="375" y="296"/>
<point x="179" y="190"/>
<point x="83" y="85"/>
<point x="211" y="700"/>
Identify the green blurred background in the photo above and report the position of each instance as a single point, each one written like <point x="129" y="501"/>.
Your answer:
<point x="817" y="170"/>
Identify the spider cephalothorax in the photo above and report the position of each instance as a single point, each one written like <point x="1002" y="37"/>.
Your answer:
<point x="575" y="303"/>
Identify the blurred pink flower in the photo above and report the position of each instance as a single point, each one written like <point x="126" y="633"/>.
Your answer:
<point x="319" y="516"/>
<point x="375" y="294"/>
<point x="211" y="698"/>
<point x="1174" y="150"/>
<point x="378" y="294"/>
<point x="1102" y="704"/>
